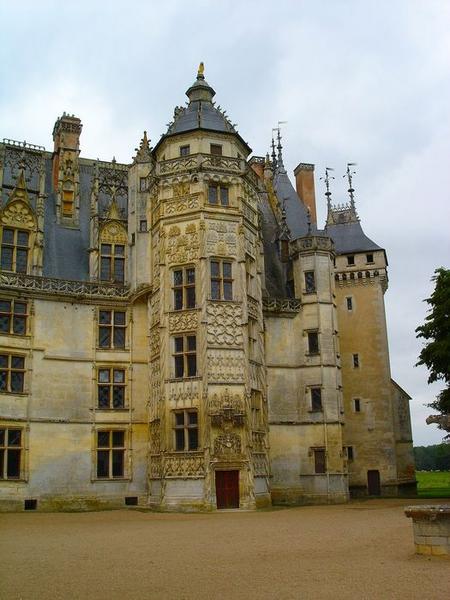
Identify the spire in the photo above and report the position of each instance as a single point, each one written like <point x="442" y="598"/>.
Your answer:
<point x="285" y="233"/>
<point x="274" y="156"/>
<point x="327" y="185"/>
<point x="351" y="190"/>
<point x="200" y="89"/>
<point x="279" y="148"/>
<point x="143" y="153"/>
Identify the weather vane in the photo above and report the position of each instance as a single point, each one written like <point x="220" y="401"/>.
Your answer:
<point x="327" y="184"/>
<point x="351" y="190"/>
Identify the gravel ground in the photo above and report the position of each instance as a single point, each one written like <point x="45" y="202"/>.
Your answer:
<point x="360" y="550"/>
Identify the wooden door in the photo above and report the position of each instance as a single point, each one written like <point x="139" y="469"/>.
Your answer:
<point x="373" y="483"/>
<point x="227" y="489"/>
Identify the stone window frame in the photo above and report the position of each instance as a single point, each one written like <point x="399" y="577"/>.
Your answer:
<point x="114" y="257"/>
<point x="112" y="385"/>
<point x="12" y="316"/>
<point x="310" y="285"/>
<point x="356" y="360"/>
<point x="223" y="280"/>
<point x="113" y="449"/>
<point x="184" y="355"/>
<point x="183" y="287"/>
<point x="185" y="430"/>
<point x="219" y="195"/>
<point x="185" y="150"/>
<point x="9" y="369"/>
<point x="315" y="453"/>
<point x="15" y="247"/>
<point x="351" y="260"/>
<point x="216" y="149"/>
<point x="6" y="448"/>
<point x="312" y="349"/>
<point x="349" y="303"/>
<point x="357" y="405"/>
<point x="113" y="327"/>
<point x="316" y="404"/>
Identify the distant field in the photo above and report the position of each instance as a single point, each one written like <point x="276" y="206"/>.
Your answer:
<point x="433" y="484"/>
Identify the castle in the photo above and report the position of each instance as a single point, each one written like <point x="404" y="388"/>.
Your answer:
<point x="179" y="333"/>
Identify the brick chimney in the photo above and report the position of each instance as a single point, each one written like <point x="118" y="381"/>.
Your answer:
<point x="304" y="182"/>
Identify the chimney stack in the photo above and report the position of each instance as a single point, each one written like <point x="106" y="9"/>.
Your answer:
<point x="66" y="140"/>
<point x="304" y="183"/>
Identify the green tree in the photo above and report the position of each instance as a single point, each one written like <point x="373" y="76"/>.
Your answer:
<point x="436" y="352"/>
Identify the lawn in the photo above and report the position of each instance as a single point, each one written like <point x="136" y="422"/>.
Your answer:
<point x="433" y="484"/>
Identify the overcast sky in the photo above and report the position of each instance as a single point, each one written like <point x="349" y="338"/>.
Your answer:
<point x="362" y="81"/>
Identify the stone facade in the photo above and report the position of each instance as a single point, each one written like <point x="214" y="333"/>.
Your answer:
<point x="176" y="332"/>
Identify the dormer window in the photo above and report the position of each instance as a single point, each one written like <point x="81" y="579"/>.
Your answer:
<point x="14" y="250"/>
<point x="112" y="263"/>
<point x="216" y="149"/>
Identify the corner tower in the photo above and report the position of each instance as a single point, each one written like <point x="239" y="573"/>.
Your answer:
<point x="207" y="409"/>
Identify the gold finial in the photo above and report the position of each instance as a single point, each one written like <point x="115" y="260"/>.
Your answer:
<point x="201" y="70"/>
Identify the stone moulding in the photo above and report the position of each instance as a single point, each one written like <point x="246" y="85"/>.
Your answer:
<point x="431" y="524"/>
<point x="51" y="286"/>
<point x="284" y="306"/>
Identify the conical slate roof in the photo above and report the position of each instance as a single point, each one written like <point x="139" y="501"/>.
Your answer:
<point x="201" y="112"/>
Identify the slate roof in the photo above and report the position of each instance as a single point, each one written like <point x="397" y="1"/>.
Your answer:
<point x="350" y="237"/>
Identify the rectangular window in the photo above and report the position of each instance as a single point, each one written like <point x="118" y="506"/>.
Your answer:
<point x="111" y="388"/>
<point x="112" y="263"/>
<point x="313" y="342"/>
<point x="218" y="194"/>
<point x="320" y="460"/>
<point x="185" y="429"/>
<point x="13" y="317"/>
<point x="10" y="452"/>
<point x="316" y="399"/>
<point x="221" y="280"/>
<point x="356" y="361"/>
<point x="111" y="328"/>
<point x="185" y="150"/>
<point x="12" y="373"/>
<point x="142" y="184"/>
<point x="349" y="452"/>
<point x="184" y="288"/>
<point x="310" y="282"/>
<point x="110" y="454"/>
<point x="369" y="258"/>
<point x="357" y="404"/>
<point x="185" y="356"/>
<point x="250" y="273"/>
<point x="143" y="225"/>
<point x="216" y="149"/>
<point x="252" y="338"/>
<point x="349" y="303"/>
<point x="67" y="202"/>
<point x="14" y="250"/>
<point x="350" y="260"/>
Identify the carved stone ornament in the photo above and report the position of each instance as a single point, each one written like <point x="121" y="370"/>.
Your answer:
<point x="113" y="233"/>
<point x="224" y="324"/>
<point x="182" y="248"/>
<point x="18" y="214"/>
<point x="183" y="321"/>
<point x="226" y="410"/>
<point x="227" y="444"/>
<point x="225" y="366"/>
<point x="221" y="239"/>
<point x="184" y="465"/>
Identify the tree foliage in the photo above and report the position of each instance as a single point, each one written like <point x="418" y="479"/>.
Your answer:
<point x="436" y="330"/>
<point x="432" y="458"/>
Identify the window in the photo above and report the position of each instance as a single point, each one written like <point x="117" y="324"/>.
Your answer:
<point x="111" y="388"/>
<point x="185" y="428"/>
<point x="10" y="450"/>
<point x="369" y="258"/>
<point x="110" y="454"/>
<point x="252" y="337"/>
<point x="313" y="342"/>
<point x="221" y="280"/>
<point x="218" y="194"/>
<point x="319" y="460"/>
<point x="356" y="361"/>
<point x="143" y="225"/>
<point x="350" y="260"/>
<point x="349" y="301"/>
<point x="316" y="399"/>
<point x="185" y="150"/>
<point x="12" y="373"/>
<point x="310" y="282"/>
<point x="357" y="404"/>
<point x="13" y="317"/>
<point x="349" y="453"/>
<point x="250" y="273"/>
<point x="15" y="248"/>
<point x="184" y="288"/>
<point x="68" y="195"/>
<point x="185" y="356"/>
<point x="111" y="328"/>
<point x="112" y="263"/>
<point x="256" y="404"/>
<point x="142" y="184"/>
<point x="216" y="149"/>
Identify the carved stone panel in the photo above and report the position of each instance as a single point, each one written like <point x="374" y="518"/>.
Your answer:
<point x="225" y="366"/>
<point x="183" y="321"/>
<point x="155" y="342"/>
<point x="182" y="247"/>
<point x="224" y="324"/>
<point x="184" y="465"/>
<point x="221" y="238"/>
<point x="227" y="444"/>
